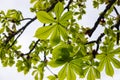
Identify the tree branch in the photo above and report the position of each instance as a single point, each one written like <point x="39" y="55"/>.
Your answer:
<point x="90" y="32"/>
<point x="52" y="72"/>
<point x="67" y="7"/>
<point x="33" y="47"/>
<point x="118" y="24"/>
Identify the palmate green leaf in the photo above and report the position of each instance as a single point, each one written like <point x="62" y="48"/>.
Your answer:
<point x="70" y="73"/>
<point x="115" y="51"/>
<point x="61" y="51"/>
<point x="78" y="69"/>
<point x="32" y="1"/>
<point x="58" y="9"/>
<point x="96" y="73"/>
<point x="109" y="69"/>
<point x="102" y="64"/>
<point x="95" y="4"/>
<point x="63" y="32"/>
<point x="55" y="37"/>
<point x="2" y="30"/>
<point x="56" y="63"/>
<point x="44" y="32"/>
<point x="115" y="62"/>
<point x="90" y="75"/>
<point x="36" y="76"/>
<point x="76" y="65"/>
<point x="62" y="73"/>
<point x="66" y="16"/>
<point x="51" y="77"/>
<point x="44" y="17"/>
<point x="100" y="56"/>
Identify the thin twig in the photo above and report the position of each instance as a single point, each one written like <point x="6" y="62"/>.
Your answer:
<point x="26" y="19"/>
<point x="67" y="7"/>
<point x="33" y="47"/>
<point x="116" y="11"/>
<point x="52" y="72"/>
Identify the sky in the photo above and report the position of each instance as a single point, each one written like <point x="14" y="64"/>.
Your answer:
<point x="10" y="73"/>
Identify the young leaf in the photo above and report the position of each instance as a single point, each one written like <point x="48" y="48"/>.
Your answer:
<point x="2" y="30"/>
<point x="51" y="77"/>
<point x="44" y="17"/>
<point x="96" y="73"/>
<point x="58" y="9"/>
<point x="100" y="56"/>
<point x="102" y="64"/>
<point x="54" y="63"/>
<point x="61" y="52"/>
<point x="66" y="16"/>
<point x="115" y="51"/>
<point x="62" y="73"/>
<point x="55" y="37"/>
<point x="90" y="75"/>
<point x="71" y="75"/>
<point x="109" y="69"/>
<point x="44" y="32"/>
<point x="63" y="32"/>
<point x="36" y="76"/>
<point x="115" y="62"/>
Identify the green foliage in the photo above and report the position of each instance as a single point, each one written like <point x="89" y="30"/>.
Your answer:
<point x="62" y="42"/>
<point x="58" y="27"/>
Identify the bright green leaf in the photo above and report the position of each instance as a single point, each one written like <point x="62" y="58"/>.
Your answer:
<point x="44" y="17"/>
<point x="36" y="76"/>
<point x="100" y="56"/>
<point x="96" y="73"/>
<point x="115" y="51"/>
<point x="71" y="75"/>
<point x="55" y="37"/>
<point x="51" y="77"/>
<point x="63" y="32"/>
<point x="62" y="73"/>
<point x="44" y="32"/>
<point x="115" y="62"/>
<point x="66" y="16"/>
<point x="61" y="52"/>
<point x="109" y="69"/>
<point x="2" y="30"/>
<point x="102" y="64"/>
<point x="90" y="75"/>
<point x="58" y="9"/>
<point x="54" y="63"/>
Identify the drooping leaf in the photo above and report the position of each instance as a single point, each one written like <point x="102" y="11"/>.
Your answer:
<point x="115" y="51"/>
<point x="90" y="75"/>
<point x="102" y="64"/>
<point x="96" y="73"/>
<point x="44" y="32"/>
<point x="70" y="73"/>
<point x="36" y="76"/>
<point x="78" y="69"/>
<point x="109" y="69"/>
<point x="58" y="9"/>
<point x="62" y="73"/>
<point x="51" y="77"/>
<point x="44" y="17"/>
<point x="115" y="62"/>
